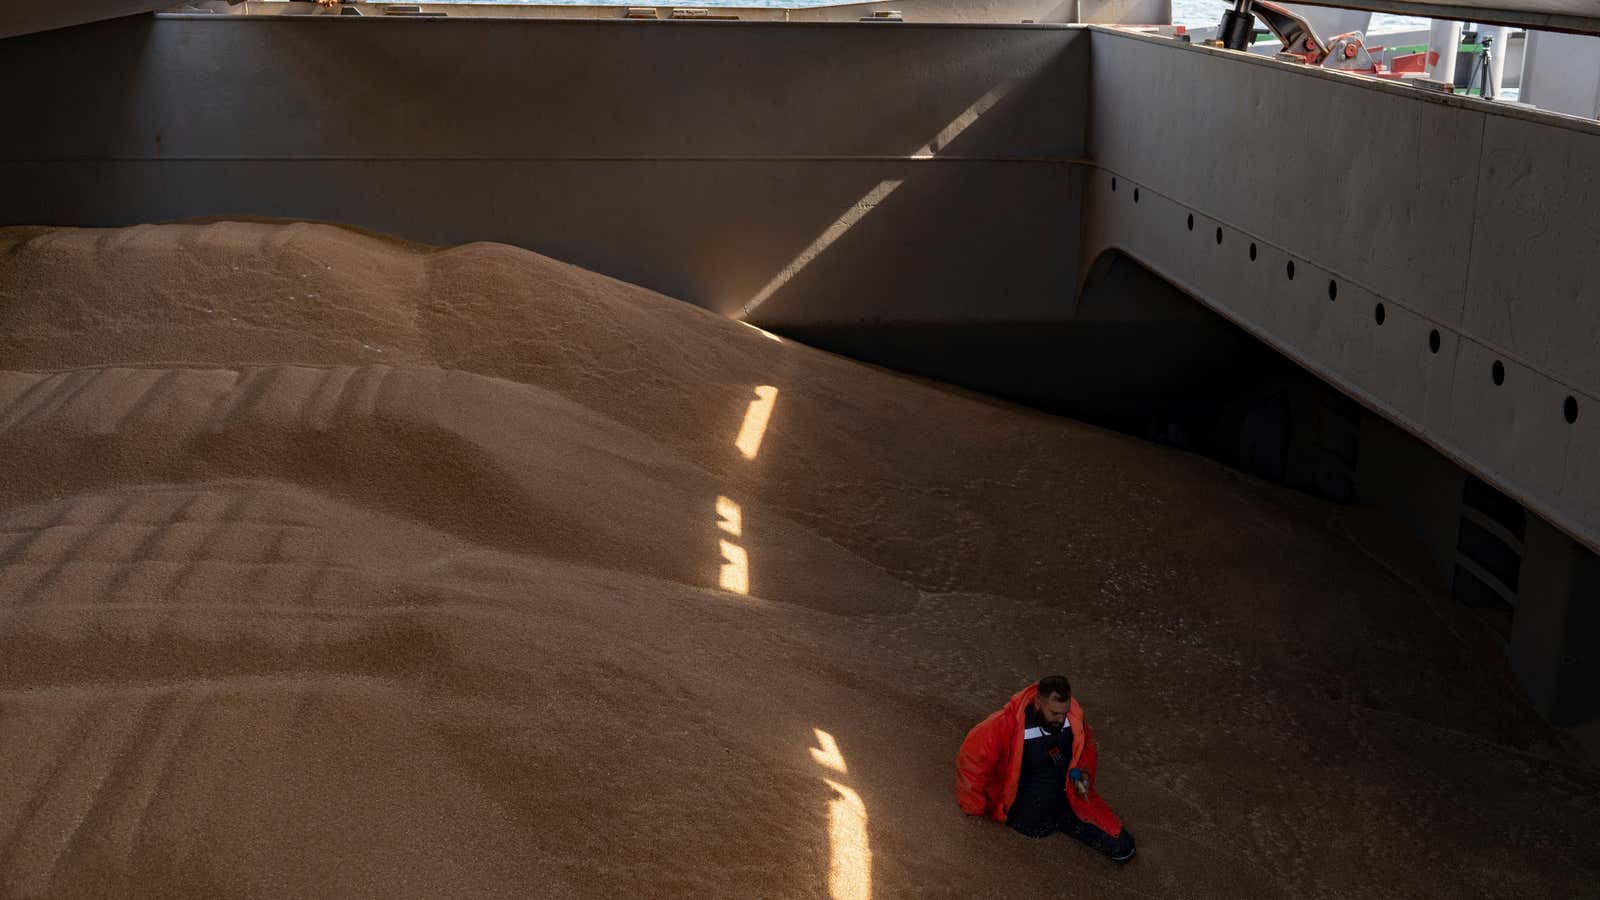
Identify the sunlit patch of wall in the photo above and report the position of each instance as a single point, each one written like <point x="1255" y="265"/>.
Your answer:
<point x="877" y="195"/>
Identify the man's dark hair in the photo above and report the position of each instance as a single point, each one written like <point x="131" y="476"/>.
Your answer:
<point x="1055" y="686"/>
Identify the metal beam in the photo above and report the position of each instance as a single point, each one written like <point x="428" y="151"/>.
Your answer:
<point x="26" y="18"/>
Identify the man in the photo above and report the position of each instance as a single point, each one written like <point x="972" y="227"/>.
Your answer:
<point x="1032" y="766"/>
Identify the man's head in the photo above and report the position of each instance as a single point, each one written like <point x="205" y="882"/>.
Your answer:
<point x="1055" y="694"/>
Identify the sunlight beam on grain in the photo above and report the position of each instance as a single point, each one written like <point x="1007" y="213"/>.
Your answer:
<point x="756" y="416"/>
<point x="729" y="516"/>
<point x="849" y="857"/>
<point x="827" y="751"/>
<point x="849" y="854"/>
<point x="735" y="568"/>
<point x="763" y="332"/>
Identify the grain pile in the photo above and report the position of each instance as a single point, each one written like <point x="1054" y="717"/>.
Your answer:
<point x="332" y="565"/>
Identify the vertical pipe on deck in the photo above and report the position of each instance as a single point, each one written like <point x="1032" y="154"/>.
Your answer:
<point x="1444" y="39"/>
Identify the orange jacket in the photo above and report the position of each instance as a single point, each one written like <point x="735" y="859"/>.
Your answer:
<point x="990" y="763"/>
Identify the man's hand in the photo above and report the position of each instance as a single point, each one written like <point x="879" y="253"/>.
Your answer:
<point x="1080" y="783"/>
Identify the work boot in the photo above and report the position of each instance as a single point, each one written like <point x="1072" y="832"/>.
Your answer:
<point x="1123" y="851"/>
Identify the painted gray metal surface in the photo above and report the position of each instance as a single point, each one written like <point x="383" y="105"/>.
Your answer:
<point x="1455" y="216"/>
<point x="698" y="159"/>
<point x="1330" y="21"/>
<point x="428" y="89"/>
<point x="1553" y="15"/>
<point x="1561" y="72"/>
<point x="941" y="11"/>
<point x="1581" y="16"/>
<point x="1552" y="646"/>
<point x="18" y="17"/>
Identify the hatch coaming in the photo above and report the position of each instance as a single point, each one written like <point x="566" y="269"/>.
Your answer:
<point x="928" y="167"/>
<point x="1438" y="245"/>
